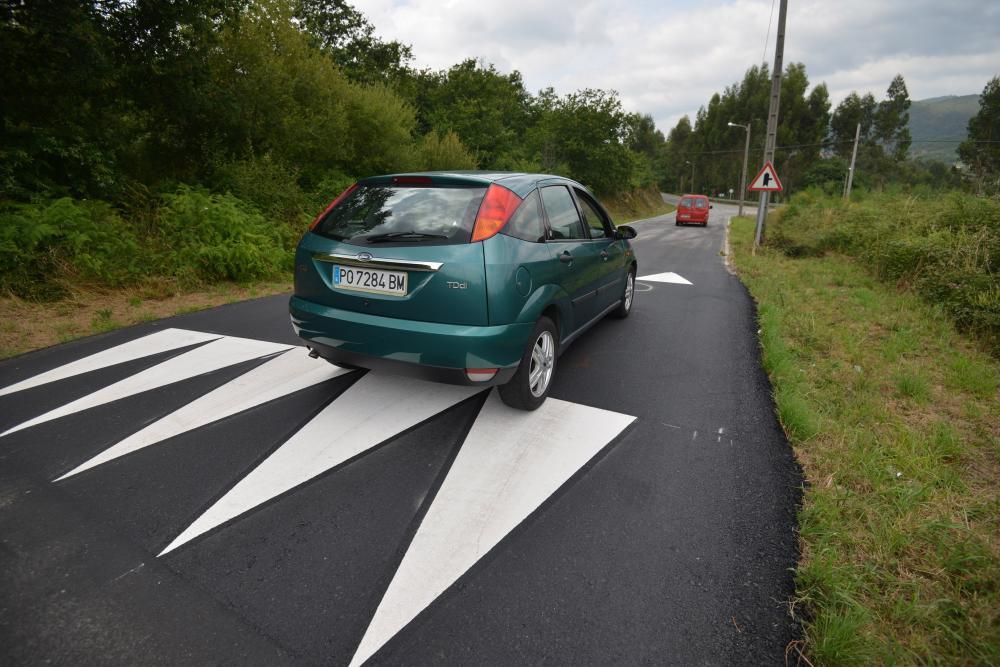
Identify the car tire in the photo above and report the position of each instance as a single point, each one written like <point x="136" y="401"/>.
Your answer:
<point x="628" y="297"/>
<point x="524" y="391"/>
<point x="677" y="222"/>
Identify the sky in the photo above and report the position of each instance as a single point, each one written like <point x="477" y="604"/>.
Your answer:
<point x="667" y="58"/>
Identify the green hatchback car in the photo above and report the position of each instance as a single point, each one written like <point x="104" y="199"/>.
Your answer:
<point x="463" y="277"/>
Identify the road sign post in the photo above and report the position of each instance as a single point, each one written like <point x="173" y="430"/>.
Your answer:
<point x="765" y="183"/>
<point x="766" y="180"/>
<point x="854" y="156"/>
<point x="772" y="118"/>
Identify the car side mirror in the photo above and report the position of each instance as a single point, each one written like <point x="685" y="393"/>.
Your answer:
<point x="625" y="232"/>
<point x="710" y="206"/>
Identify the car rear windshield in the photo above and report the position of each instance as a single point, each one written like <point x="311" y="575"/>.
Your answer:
<point x="686" y="202"/>
<point x="700" y="203"/>
<point x="404" y="215"/>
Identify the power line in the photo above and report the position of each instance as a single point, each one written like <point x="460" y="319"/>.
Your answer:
<point x="767" y="37"/>
<point x="829" y="144"/>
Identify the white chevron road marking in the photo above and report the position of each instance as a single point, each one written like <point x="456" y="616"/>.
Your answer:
<point x="669" y="277"/>
<point x="161" y="341"/>
<point x="373" y="410"/>
<point x="510" y="463"/>
<point x="220" y="353"/>
<point x="283" y="375"/>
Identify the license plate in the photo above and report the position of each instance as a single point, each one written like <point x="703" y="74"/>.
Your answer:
<point x="369" y="280"/>
<point x="685" y="215"/>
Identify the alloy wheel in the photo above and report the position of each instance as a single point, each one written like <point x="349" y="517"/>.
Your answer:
<point x="543" y="359"/>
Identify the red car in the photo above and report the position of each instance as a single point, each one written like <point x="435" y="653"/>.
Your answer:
<point x="693" y="210"/>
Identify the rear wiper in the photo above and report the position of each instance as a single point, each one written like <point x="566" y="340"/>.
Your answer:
<point x="403" y="236"/>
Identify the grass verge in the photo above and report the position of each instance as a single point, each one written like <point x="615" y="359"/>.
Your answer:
<point x="637" y="205"/>
<point x="29" y="325"/>
<point x="895" y="419"/>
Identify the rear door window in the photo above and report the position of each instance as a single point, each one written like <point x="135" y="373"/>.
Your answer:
<point x="526" y="224"/>
<point x="685" y="203"/>
<point x="403" y="215"/>
<point x="700" y="203"/>
<point x="564" y="219"/>
<point x="596" y="223"/>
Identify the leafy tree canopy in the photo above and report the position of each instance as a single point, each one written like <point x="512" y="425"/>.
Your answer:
<point x="981" y="151"/>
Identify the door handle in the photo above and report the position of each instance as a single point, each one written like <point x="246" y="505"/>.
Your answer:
<point x="565" y="257"/>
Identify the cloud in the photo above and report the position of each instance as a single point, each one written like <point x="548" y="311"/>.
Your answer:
<point x="668" y="58"/>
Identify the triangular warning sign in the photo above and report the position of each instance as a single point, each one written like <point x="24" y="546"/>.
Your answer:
<point x="766" y="180"/>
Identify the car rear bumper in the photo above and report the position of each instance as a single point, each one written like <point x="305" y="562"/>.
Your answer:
<point x="429" y="350"/>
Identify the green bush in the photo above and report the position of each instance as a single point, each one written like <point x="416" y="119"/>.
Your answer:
<point x="45" y="245"/>
<point x="191" y="235"/>
<point x="211" y="237"/>
<point x="445" y="151"/>
<point x="265" y="182"/>
<point x="946" y="248"/>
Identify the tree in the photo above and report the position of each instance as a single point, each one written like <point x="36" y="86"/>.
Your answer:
<point x="583" y="134"/>
<point x="647" y="143"/>
<point x="488" y="110"/>
<point x="350" y="39"/>
<point x="641" y="134"/>
<point x="802" y="126"/>
<point x="680" y="143"/>
<point x="162" y="53"/>
<point x="852" y="110"/>
<point x="443" y="152"/>
<point x="892" y="120"/>
<point x="716" y="148"/>
<point x="828" y="174"/>
<point x="58" y="100"/>
<point x="981" y="151"/>
<point x="279" y="95"/>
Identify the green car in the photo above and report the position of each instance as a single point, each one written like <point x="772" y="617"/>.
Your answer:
<point x="473" y="278"/>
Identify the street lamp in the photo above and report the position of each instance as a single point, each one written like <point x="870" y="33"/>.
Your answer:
<point x="692" y="174"/>
<point x="746" y="152"/>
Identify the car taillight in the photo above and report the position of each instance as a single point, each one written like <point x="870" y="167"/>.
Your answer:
<point x="498" y="206"/>
<point x="343" y="195"/>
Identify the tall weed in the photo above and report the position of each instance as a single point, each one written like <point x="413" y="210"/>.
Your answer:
<point x="945" y="248"/>
<point x="211" y="237"/>
<point x="43" y="246"/>
<point x="191" y="235"/>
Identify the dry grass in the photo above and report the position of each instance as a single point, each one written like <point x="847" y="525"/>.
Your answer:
<point x="29" y="325"/>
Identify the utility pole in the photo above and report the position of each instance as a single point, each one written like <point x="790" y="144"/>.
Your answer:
<point x="850" y="172"/>
<point x="692" y="175"/>
<point x="746" y="154"/>
<point x="772" y="117"/>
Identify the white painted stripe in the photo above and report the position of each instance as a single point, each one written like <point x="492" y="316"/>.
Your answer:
<point x="161" y="341"/>
<point x="510" y="463"/>
<point x="373" y="410"/>
<point x="669" y="277"/>
<point x="283" y="375"/>
<point x="209" y="357"/>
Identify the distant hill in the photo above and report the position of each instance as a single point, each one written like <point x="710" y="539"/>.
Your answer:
<point x="941" y="119"/>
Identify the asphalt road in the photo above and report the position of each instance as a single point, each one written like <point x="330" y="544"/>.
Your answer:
<point x="196" y="490"/>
